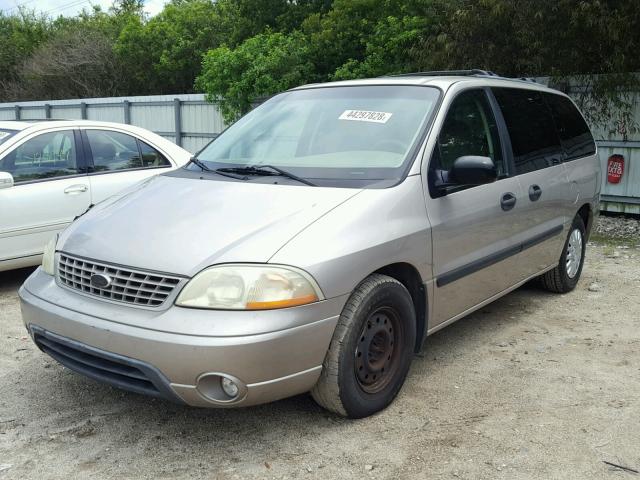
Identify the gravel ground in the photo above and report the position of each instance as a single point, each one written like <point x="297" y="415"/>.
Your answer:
<point x="535" y="385"/>
<point x="618" y="227"/>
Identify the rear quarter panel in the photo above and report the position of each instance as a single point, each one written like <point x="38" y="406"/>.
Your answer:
<point x="585" y="177"/>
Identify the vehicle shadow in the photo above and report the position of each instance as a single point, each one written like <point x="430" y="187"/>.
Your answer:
<point x="12" y="279"/>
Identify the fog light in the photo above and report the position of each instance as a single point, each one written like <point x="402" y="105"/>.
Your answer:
<point x="229" y="387"/>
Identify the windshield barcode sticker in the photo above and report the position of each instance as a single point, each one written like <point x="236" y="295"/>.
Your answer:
<point x="365" y="116"/>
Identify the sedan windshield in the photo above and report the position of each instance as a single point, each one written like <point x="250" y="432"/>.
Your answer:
<point x="6" y="135"/>
<point x="333" y="136"/>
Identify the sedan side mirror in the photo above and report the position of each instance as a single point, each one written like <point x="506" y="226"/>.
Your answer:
<point x="473" y="170"/>
<point x="6" y="180"/>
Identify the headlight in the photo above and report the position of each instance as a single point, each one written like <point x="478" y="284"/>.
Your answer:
<point x="249" y="287"/>
<point x="48" y="257"/>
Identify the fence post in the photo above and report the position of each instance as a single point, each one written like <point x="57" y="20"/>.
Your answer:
<point x="178" y="120"/>
<point x="17" y="109"/>
<point x="47" y="111"/>
<point x="83" y="110"/>
<point x="126" y="105"/>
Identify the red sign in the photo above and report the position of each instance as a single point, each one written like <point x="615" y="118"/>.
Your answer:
<point x="615" y="168"/>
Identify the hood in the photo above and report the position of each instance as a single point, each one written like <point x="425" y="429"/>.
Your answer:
<point x="182" y="225"/>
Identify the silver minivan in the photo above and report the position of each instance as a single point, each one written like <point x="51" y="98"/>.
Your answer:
<point x="317" y="242"/>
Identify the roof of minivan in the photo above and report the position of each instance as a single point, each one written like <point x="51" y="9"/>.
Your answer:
<point x="441" y="81"/>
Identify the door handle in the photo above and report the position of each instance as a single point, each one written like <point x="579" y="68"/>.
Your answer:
<point x="534" y="192"/>
<point x="76" y="189"/>
<point x="508" y="201"/>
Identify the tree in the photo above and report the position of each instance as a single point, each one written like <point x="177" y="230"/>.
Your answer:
<point x="225" y="44"/>
<point x="589" y="42"/>
<point x="243" y="19"/>
<point x="21" y="35"/>
<point x="76" y="64"/>
<point x="355" y="38"/>
<point x="386" y="50"/>
<point x="529" y="37"/>
<point x="74" y="58"/>
<point x="163" y="55"/>
<point x="127" y="7"/>
<point x="262" y="65"/>
<point x="340" y="35"/>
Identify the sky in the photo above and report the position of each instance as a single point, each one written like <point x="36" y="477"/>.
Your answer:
<point x="55" y="8"/>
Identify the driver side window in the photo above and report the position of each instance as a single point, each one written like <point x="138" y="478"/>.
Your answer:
<point x="469" y="129"/>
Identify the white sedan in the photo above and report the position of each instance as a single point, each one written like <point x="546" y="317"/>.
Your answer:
<point x="52" y="171"/>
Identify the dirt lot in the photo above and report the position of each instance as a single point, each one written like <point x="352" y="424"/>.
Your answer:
<point x="534" y="386"/>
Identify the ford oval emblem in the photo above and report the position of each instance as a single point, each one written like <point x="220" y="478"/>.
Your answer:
<point x="100" y="280"/>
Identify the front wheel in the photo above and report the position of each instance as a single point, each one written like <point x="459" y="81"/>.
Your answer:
<point x="564" y="277"/>
<point x="371" y="349"/>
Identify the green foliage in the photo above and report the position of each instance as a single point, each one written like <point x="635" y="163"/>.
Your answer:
<point x="21" y="34"/>
<point x="163" y="55"/>
<point x="570" y="40"/>
<point x="360" y="37"/>
<point x="529" y="37"/>
<point x="386" y="50"/>
<point x="240" y="50"/>
<point x="262" y="65"/>
<point x="340" y="35"/>
<point x="355" y="38"/>
<point x="242" y="19"/>
<point x="62" y="57"/>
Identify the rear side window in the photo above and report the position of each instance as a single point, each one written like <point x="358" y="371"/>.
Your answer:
<point x="573" y="131"/>
<point x="151" y="157"/>
<point x="113" y="151"/>
<point x="531" y="129"/>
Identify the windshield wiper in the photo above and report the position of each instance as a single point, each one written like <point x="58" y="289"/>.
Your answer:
<point x="261" y="170"/>
<point x="204" y="168"/>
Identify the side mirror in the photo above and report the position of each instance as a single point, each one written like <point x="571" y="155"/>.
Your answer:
<point x="6" y="180"/>
<point x="473" y="170"/>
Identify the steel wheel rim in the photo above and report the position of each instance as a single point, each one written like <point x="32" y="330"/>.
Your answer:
<point x="574" y="253"/>
<point x="377" y="355"/>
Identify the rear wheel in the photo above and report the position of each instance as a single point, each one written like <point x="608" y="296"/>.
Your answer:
<point x="564" y="277"/>
<point x="371" y="349"/>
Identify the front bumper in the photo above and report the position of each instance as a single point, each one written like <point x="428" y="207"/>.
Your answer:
<point x="95" y="338"/>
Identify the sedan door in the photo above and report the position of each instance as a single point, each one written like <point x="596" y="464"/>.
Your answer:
<point x="50" y="189"/>
<point x="119" y="160"/>
<point x="474" y="229"/>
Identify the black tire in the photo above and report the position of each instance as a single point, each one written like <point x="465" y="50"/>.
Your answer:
<point x="378" y="321"/>
<point x="559" y="280"/>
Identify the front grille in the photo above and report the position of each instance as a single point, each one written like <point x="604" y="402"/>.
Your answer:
<point x="127" y="286"/>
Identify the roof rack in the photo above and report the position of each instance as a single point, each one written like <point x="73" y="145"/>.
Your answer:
<point x="439" y="73"/>
<point x="462" y="73"/>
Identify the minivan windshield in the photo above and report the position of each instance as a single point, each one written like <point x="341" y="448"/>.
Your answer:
<point x="351" y="136"/>
<point x="6" y="134"/>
